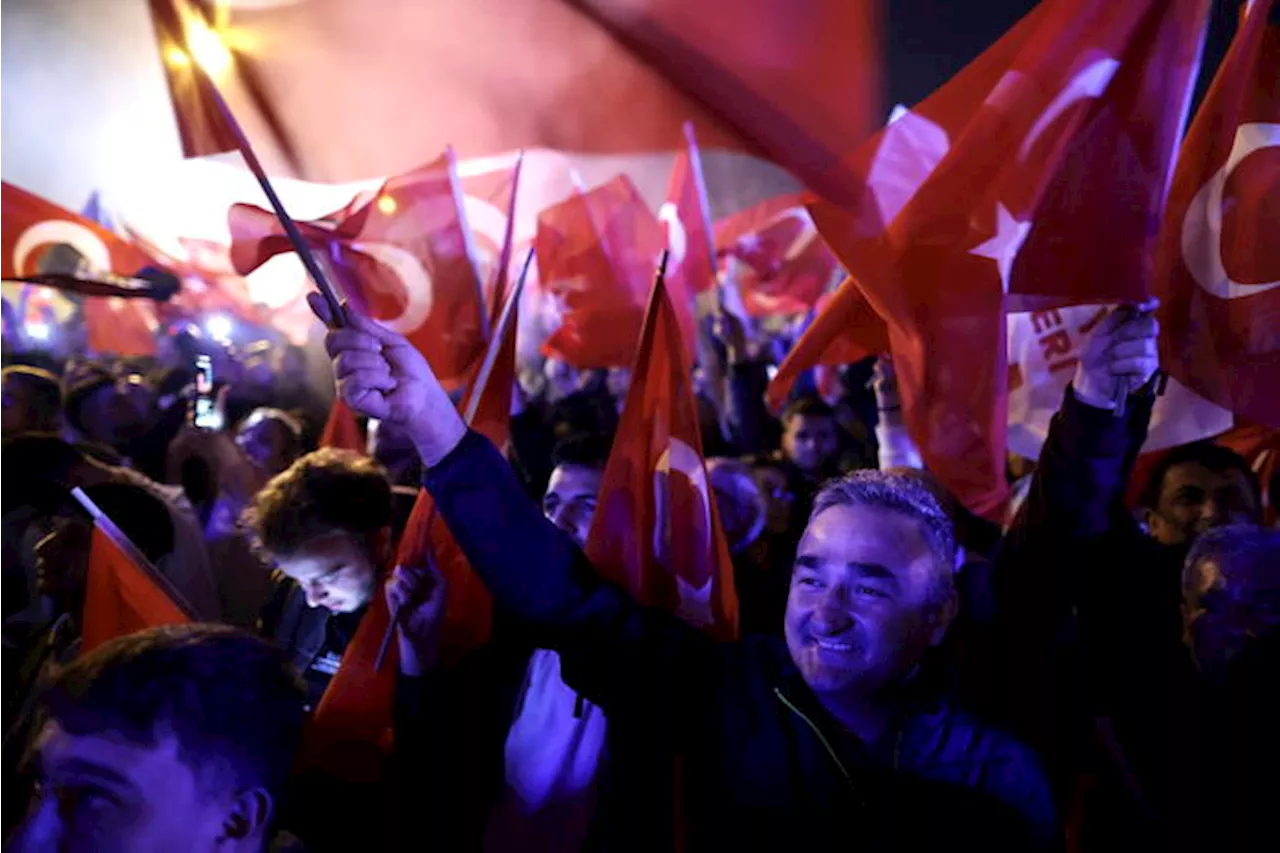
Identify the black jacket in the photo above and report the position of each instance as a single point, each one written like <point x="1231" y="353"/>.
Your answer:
<point x="764" y="766"/>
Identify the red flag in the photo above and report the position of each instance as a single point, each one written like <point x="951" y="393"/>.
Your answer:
<point x="797" y="81"/>
<point x="342" y="430"/>
<point x="596" y="252"/>
<point x="32" y="227"/>
<point x="401" y="258"/>
<point x="350" y="735"/>
<point x="952" y="190"/>
<point x="687" y="218"/>
<point x="201" y="125"/>
<point x="656" y="530"/>
<point x="468" y="618"/>
<point x="1219" y="258"/>
<point x="123" y="594"/>
<point x="784" y="267"/>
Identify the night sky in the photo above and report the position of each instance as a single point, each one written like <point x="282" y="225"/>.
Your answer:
<point x="930" y="40"/>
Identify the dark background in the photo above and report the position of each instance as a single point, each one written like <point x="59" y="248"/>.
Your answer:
<point x="927" y="41"/>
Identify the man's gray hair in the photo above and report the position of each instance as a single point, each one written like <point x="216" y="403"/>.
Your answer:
<point x="1242" y="545"/>
<point x="902" y="494"/>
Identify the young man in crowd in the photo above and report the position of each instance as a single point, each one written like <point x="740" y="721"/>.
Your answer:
<point x="325" y="525"/>
<point x="840" y="729"/>
<point x="178" y="738"/>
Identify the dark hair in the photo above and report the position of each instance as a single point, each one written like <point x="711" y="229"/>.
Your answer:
<point x="231" y="700"/>
<point x="585" y="450"/>
<point x="1215" y="457"/>
<point x="138" y="513"/>
<point x="92" y="380"/>
<point x="44" y="392"/>
<point x="322" y="492"/>
<point x="809" y="407"/>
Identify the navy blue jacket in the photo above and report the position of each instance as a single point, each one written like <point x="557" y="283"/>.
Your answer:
<point x="764" y="766"/>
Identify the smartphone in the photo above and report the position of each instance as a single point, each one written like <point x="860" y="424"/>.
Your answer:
<point x="206" y="412"/>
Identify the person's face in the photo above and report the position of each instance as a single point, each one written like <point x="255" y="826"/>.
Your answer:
<point x="267" y="443"/>
<point x="118" y="412"/>
<point x="809" y="442"/>
<point x="1225" y="607"/>
<point x="570" y="501"/>
<point x="100" y="793"/>
<point x="860" y="612"/>
<point x="1194" y="499"/>
<point x="778" y="498"/>
<point x="335" y="571"/>
<point x="62" y="560"/>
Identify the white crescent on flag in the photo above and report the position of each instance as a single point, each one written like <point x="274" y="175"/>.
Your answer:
<point x="695" y="602"/>
<point x="52" y="232"/>
<point x="413" y="278"/>
<point x="1202" y="225"/>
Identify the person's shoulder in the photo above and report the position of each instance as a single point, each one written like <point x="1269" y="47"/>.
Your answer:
<point x="951" y="734"/>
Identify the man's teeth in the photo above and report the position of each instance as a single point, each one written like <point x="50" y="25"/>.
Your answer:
<point x="833" y="645"/>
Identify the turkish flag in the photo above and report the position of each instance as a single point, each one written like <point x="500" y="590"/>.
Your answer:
<point x="402" y="257"/>
<point x="35" y="231"/>
<point x="341" y="429"/>
<point x="795" y="81"/>
<point x="1021" y="147"/>
<point x="1219" y="258"/>
<point x="656" y="530"/>
<point x="596" y="251"/>
<point x="468" y="618"/>
<point x="687" y="218"/>
<point x="123" y="593"/>
<point x="783" y="268"/>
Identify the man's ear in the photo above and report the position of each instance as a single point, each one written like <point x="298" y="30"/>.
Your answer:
<point x="249" y="816"/>
<point x="944" y="613"/>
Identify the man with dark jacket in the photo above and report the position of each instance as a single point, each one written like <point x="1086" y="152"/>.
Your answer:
<point x="1156" y="719"/>
<point x="839" y="734"/>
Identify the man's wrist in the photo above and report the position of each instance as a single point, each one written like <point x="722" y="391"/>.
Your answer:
<point x="439" y="439"/>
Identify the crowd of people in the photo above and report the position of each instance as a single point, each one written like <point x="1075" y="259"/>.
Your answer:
<point x="1083" y="673"/>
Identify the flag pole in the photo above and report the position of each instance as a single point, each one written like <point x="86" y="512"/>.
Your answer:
<point x="300" y="246"/>
<point x="473" y="404"/>
<point x="103" y="522"/>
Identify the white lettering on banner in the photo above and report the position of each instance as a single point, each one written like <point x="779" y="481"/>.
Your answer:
<point x="677" y="236"/>
<point x="1202" y="225"/>
<point x="695" y="602"/>
<point x="52" y="232"/>
<point x="413" y="278"/>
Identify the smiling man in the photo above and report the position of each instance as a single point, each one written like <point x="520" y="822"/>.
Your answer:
<point x="841" y="735"/>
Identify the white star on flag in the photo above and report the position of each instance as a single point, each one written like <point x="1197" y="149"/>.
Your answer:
<point x="1004" y="245"/>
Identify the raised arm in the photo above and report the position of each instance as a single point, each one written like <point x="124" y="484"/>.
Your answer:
<point x="614" y="650"/>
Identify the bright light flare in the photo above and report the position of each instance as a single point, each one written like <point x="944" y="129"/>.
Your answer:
<point x="387" y="205"/>
<point x="219" y="327"/>
<point x="39" y="331"/>
<point x="208" y="48"/>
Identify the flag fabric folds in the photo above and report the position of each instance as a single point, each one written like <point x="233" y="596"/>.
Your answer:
<point x="124" y="593"/>
<point x="656" y="531"/>
<point x="1219" y="260"/>
<point x="983" y="198"/>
